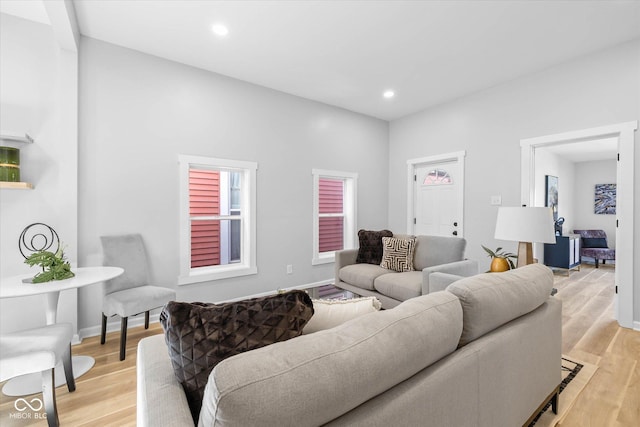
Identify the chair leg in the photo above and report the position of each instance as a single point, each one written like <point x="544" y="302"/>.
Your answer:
<point x="49" y="397"/>
<point x="123" y="337"/>
<point x="68" y="370"/>
<point x="103" y="331"/>
<point x="146" y="319"/>
<point x="596" y="262"/>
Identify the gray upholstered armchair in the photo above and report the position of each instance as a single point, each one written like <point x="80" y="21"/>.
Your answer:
<point x="593" y="244"/>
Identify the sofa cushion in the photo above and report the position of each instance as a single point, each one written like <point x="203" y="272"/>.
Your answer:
<point x="400" y="286"/>
<point x="397" y="254"/>
<point x="361" y="275"/>
<point x="490" y="300"/>
<point x="437" y="250"/>
<point x="201" y="335"/>
<point x="329" y="313"/>
<point x="315" y="378"/>
<point x="370" y="249"/>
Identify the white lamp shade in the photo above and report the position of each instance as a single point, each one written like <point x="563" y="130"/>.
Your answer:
<point x="525" y="224"/>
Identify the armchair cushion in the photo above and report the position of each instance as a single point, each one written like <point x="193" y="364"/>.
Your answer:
<point x="370" y="250"/>
<point x="201" y="335"/>
<point x="400" y="286"/>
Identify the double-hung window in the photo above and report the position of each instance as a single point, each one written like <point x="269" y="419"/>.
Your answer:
<point x="334" y="213"/>
<point x="217" y="219"/>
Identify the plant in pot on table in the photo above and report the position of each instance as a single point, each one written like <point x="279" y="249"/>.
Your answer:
<point x="501" y="260"/>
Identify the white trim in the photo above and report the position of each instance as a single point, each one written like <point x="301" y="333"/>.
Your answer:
<point x="350" y="212"/>
<point x="625" y="199"/>
<point x="412" y="165"/>
<point x="248" y="266"/>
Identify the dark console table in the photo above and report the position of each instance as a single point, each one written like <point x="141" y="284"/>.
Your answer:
<point x="565" y="254"/>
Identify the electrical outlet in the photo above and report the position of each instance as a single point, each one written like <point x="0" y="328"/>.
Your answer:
<point x="496" y="200"/>
<point x="289" y="269"/>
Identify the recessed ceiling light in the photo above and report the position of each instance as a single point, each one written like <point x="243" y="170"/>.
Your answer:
<point x="388" y="94"/>
<point x="220" y="30"/>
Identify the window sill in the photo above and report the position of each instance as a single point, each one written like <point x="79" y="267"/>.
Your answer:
<point x="218" y="274"/>
<point x="323" y="259"/>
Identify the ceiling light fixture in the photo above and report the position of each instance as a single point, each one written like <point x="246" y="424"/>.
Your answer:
<point x="388" y="94"/>
<point x="220" y="30"/>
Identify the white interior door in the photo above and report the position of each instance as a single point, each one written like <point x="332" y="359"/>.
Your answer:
<point x="437" y="205"/>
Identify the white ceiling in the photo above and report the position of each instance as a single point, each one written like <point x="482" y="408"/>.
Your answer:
<point x="587" y="151"/>
<point x="346" y="53"/>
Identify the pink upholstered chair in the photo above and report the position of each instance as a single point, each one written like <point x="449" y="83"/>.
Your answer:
<point x="593" y="244"/>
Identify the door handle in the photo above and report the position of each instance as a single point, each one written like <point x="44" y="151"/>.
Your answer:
<point x="455" y="233"/>
<point x="455" y="224"/>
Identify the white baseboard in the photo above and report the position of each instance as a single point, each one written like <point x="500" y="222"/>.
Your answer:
<point x="636" y="326"/>
<point x="94" y="331"/>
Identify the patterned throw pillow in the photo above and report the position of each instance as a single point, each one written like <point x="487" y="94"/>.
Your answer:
<point x="370" y="250"/>
<point x="398" y="253"/>
<point x="200" y="335"/>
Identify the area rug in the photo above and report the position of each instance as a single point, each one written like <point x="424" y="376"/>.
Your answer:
<point x="575" y="377"/>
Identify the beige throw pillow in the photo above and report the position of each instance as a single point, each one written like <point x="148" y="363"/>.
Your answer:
<point x="330" y="313"/>
<point x="397" y="254"/>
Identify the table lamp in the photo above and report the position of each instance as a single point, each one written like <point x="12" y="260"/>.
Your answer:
<point x="525" y="225"/>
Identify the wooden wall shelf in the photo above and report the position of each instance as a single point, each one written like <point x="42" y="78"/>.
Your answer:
<point x="16" y="137"/>
<point x="16" y="185"/>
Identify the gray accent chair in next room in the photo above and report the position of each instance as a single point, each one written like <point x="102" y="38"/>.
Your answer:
<point x="129" y="294"/>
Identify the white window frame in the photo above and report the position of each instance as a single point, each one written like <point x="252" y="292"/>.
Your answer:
<point x="247" y="264"/>
<point x="349" y="208"/>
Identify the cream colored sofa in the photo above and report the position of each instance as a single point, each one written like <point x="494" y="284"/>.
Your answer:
<point x="484" y="352"/>
<point x="438" y="261"/>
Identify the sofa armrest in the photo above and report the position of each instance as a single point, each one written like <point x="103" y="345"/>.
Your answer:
<point x="344" y="258"/>
<point x="439" y="281"/>
<point x="464" y="268"/>
<point x="160" y="399"/>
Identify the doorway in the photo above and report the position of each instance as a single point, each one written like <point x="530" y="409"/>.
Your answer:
<point x="624" y="133"/>
<point x="436" y="195"/>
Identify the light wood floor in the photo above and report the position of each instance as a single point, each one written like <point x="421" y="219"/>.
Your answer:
<point x="106" y="395"/>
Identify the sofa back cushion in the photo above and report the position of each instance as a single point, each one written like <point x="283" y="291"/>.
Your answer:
<point x="436" y="250"/>
<point x="294" y="382"/>
<point x="490" y="300"/>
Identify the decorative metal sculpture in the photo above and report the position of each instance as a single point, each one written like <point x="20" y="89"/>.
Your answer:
<point x="38" y="237"/>
<point x="39" y="240"/>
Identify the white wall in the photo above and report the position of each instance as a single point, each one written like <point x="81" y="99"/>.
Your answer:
<point x="596" y="90"/>
<point x="548" y="163"/>
<point x="36" y="95"/>
<point x="138" y="112"/>
<point x="551" y="164"/>
<point x="588" y="174"/>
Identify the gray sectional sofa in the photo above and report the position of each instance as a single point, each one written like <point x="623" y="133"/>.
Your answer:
<point x="484" y="352"/>
<point x="438" y="261"/>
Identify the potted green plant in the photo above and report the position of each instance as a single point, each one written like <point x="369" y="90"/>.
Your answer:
<point x="54" y="266"/>
<point x="501" y="261"/>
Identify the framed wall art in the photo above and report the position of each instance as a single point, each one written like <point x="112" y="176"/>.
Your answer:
<point x="551" y="194"/>
<point x="605" y="199"/>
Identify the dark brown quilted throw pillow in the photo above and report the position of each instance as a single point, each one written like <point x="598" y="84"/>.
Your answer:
<point x="200" y="335"/>
<point x="370" y="250"/>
